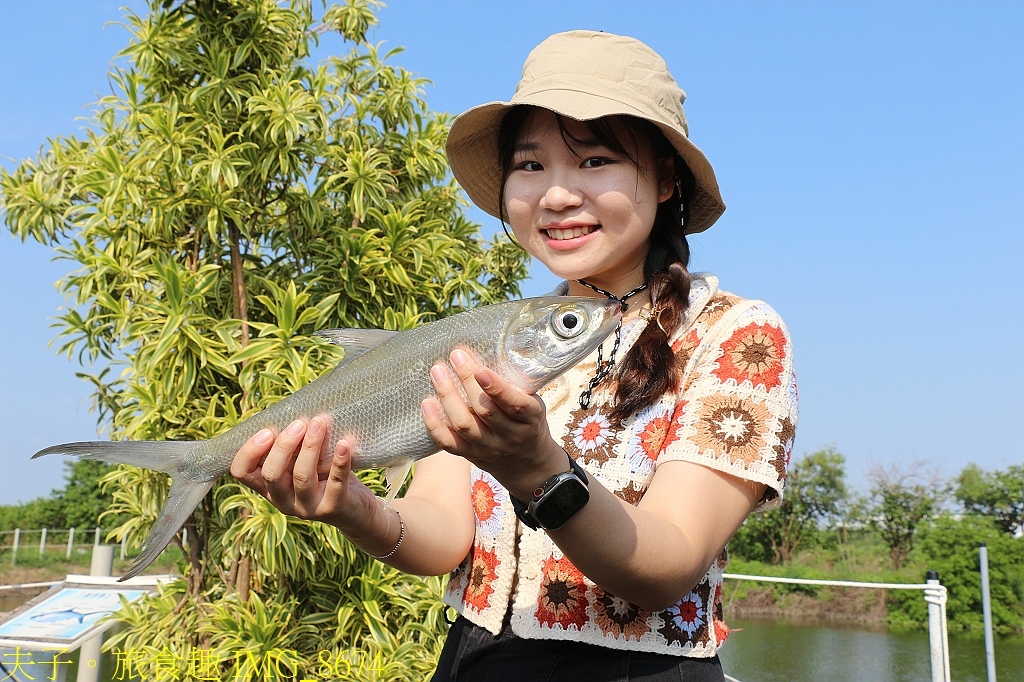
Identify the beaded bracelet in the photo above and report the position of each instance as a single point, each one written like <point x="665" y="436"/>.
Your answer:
<point x="401" y="536"/>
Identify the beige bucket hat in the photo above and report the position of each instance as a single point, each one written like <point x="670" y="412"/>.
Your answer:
<point x="584" y="75"/>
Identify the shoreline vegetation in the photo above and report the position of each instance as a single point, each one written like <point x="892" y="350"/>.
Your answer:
<point x="844" y="607"/>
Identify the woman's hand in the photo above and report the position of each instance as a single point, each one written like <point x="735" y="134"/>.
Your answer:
<point x="494" y="425"/>
<point x="286" y="470"/>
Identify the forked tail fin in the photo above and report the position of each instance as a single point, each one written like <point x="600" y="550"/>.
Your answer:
<point x="166" y="456"/>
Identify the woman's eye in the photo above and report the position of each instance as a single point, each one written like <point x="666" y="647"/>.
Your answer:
<point x="595" y="162"/>
<point x="529" y="166"/>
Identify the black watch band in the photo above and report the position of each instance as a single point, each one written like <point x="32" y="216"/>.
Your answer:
<point x="570" y="485"/>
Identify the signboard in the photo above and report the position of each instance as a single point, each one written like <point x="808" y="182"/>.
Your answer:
<point x="71" y="612"/>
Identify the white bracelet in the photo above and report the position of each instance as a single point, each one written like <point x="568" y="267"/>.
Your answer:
<point x="401" y="536"/>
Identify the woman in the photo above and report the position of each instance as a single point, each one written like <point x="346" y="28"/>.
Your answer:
<point x="630" y="473"/>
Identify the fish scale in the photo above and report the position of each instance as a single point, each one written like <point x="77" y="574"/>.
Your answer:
<point x="372" y="398"/>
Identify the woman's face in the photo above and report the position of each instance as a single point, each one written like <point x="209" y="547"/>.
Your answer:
<point x="589" y="214"/>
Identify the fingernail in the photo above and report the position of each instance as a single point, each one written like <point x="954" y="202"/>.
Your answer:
<point x="314" y="426"/>
<point x="459" y="357"/>
<point x="263" y="437"/>
<point x="295" y="428"/>
<point x="484" y="379"/>
<point x="437" y="374"/>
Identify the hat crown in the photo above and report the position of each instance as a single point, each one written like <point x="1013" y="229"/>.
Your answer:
<point x="636" y="75"/>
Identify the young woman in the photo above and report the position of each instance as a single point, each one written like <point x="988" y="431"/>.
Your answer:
<point x="585" y="528"/>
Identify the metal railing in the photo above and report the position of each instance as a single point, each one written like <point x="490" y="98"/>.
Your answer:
<point x="934" y="595"/>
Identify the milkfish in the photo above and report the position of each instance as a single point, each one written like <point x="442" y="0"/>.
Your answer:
<point x="372" y="397"/>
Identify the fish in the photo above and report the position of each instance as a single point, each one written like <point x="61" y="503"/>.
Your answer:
<point x="372" y="398"/>
<point x="66" y="616"/>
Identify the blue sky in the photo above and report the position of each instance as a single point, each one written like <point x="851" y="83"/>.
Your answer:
<point x="871" y="155"/>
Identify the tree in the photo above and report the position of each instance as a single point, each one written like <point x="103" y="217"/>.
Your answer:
<point x="229" y="199"/>
<point x="900" y="500"/>
<point x="814" y="496"/>
<point x="950" y="546"/>
<point x="79" y="504"/>
<point x="999" y="494"/>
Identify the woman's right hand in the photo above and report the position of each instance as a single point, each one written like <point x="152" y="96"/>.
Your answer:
<point x="286" y="471"/>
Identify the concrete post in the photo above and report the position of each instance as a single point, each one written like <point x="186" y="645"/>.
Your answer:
<point x="89" y="654"/>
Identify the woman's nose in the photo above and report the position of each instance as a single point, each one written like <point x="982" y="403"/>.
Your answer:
<point x="561" y="194"/>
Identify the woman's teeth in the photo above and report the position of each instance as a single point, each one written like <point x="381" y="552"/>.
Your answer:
<point x="569" y="232"/>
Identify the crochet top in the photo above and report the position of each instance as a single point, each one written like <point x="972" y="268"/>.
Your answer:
<point x="735" y="411"/>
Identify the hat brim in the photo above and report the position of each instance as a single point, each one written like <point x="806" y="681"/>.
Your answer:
<point x="472" y="149"/>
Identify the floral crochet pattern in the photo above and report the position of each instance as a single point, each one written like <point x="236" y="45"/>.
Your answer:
<point x="686" y="622"/>
<point x="754" y="353"/>
<point x="563" y="595"/>
<point x="486" y="505"/>
<point x="482" y="572"/>
<point x="618" y="617"/>
<point x="732" y="426"/>
<point x="591" y="436"/>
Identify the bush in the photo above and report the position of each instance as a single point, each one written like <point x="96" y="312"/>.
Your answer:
<point x="950" y="546"/>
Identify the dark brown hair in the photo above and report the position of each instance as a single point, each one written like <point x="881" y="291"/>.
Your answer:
<point x="649" y="368"/>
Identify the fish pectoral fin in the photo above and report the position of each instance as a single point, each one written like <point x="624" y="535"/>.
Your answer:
<point x="395" y="475"/>
<point x="356" y="342"/>
<point x="183" y="498"/>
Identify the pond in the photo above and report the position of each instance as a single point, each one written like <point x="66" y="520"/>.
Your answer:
<point x="778" y="652"/>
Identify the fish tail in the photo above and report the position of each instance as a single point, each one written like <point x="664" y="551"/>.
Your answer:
<point x="167" y="456"/>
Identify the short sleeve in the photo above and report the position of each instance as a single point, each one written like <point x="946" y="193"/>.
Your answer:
<point x="736" y="410"/>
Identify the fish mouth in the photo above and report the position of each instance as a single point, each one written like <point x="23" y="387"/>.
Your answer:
<point x="559" y="234"/>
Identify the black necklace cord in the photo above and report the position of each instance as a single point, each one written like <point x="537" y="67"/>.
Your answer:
<point x="605" y="368"/>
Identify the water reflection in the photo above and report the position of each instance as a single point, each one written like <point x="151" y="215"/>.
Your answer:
<point x="777" y="652"/>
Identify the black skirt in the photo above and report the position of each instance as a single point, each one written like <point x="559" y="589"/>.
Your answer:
<point x="473" y="654"/>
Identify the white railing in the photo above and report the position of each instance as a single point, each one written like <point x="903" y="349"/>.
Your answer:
<point x="22" y="540"/>
<point x="934" y="594"/>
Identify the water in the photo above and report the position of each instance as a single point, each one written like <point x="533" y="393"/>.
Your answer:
<point x="777" y="652"/>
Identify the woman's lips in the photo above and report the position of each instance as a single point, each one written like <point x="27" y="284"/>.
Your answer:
<point x="568" y="232"/>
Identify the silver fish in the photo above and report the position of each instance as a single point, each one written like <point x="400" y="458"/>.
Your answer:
<point x="372" y="398"/>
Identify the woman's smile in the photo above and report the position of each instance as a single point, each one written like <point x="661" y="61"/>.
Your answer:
<point x="568" y="231"/>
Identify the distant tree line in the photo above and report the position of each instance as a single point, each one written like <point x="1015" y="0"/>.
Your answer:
<point x="79" y="504"/>
<point x="919" y="521"/>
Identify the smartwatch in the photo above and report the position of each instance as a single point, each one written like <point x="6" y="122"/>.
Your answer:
<point x="556" y="501"/>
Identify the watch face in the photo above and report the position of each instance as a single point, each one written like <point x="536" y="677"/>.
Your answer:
<point x="566" y="497"/>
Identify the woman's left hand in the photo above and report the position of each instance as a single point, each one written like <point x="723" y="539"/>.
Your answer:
<point x="494" y="425"/>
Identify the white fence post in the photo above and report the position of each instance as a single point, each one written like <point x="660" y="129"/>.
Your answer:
<point x="96" y="542"/>
<point x="71" y="541"/>
<point x="124" y="545"/>
<point x="17" y="538"/>
<point x="937" y="639"/>
<point x="42" y="542"/>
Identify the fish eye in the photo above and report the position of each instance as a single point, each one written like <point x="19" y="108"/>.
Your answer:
<point x="569" y="321"/>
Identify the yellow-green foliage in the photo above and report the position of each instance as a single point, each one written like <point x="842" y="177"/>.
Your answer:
<point x="229" y="199"/>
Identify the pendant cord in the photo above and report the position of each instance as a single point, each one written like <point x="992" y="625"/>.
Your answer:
<point x="605" y="368"/>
